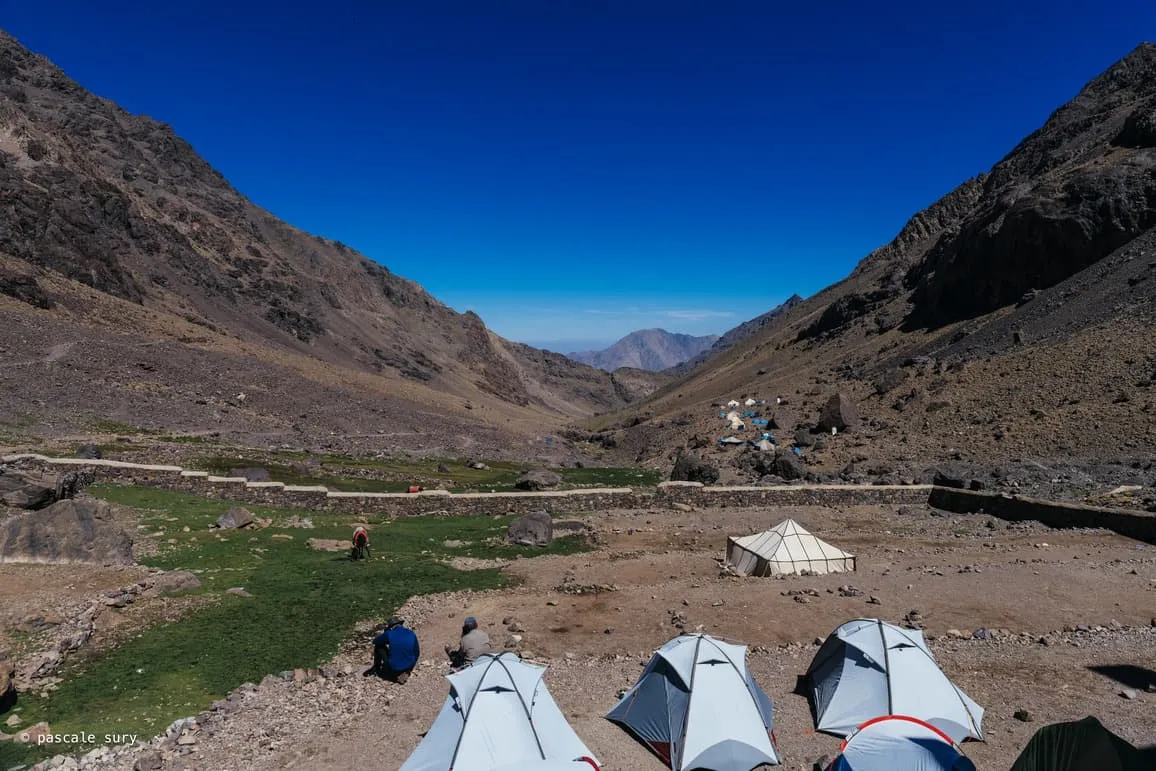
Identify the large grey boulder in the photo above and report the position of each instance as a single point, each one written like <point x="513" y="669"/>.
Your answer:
<point x="839" y="413"/>
<point x="236" y="517"/>
<point x="691" y="468"/>
<point x="789" y="466"/>
<point x="538" y="479"/>
<point x="31" y="491"/>
<point x="534" y="529"/>
<point x="251" y="474"/>
<point x="89" y="452"/>
<point x="67" y="532"/>
<point x="7" y="683"/>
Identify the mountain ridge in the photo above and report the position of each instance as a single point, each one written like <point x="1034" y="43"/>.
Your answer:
<point x="99" y="200"/>
<point x="651" y="350"/>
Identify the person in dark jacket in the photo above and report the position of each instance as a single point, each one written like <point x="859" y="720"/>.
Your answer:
<point x="395" y="652"/>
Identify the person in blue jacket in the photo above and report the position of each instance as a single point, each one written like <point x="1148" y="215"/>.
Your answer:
<point x="395" y="652"/>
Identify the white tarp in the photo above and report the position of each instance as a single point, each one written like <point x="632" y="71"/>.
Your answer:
<point x="750" y="402"/>
<point x="733" y="403"/>
<point x="868" y="668"/>
<point x="899" y="742"/>
<point x="697" y="706"/>
<point x="786" y="549"/>
<point x="498" y="714"/>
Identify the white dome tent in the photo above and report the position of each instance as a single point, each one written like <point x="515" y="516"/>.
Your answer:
<point x="899" y="742"/>
<point x="499" y="715"/>
<point x="697" y="706"/>
<point x="868" y="668"/>
<point x="786" y="549"/>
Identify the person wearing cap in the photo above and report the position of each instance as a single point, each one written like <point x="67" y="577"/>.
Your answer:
<point x="474" y="643"/>
<point x="395" y="652"/>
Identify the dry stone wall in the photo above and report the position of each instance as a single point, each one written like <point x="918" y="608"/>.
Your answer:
<point x="1133" y="524"/>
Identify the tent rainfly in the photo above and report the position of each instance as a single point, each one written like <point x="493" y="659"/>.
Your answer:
<point x="697" y="706"/>
<point x="731" y="440"/>
<point x="899" y="742"/>
<point x="868" y="668"/>
<point x="750" y="402"/>
<point x="1081" y="745"/>
<point x="733" y="404"/>
<point x="786" y="549"/>
<point x="499" y="715"/>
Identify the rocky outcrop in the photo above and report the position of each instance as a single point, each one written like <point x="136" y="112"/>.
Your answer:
<point x="789" y="466"/>
<point x="7" y="683"/>
<point x="838" y="413"/>
<point x="691" y="468"/>
<point x="534" y="529"/>
<point x="33" y="491"/>
<point x="538" y="479"/>
<point x="67" y="532"/>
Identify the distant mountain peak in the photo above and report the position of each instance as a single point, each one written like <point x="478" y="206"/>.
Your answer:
<point x="652" y="350"/>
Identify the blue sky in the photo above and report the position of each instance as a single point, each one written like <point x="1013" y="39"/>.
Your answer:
<point x="576" y="169"/>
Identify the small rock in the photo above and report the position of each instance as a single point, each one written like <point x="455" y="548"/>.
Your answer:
<point x="1129" y="693"/>
<point x="239" y="591"/>
<point x="1023" y="716"/>
<point x="873" y="600"/>
<point x="13" y="720"/>
<point x="608" y="630"/>
<point x="149" y="761"/>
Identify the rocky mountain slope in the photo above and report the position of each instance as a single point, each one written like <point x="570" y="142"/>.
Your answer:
<point x="118" y="241"/>
<point x="736" y="335"/>
<point x="1010" y="321"/>
<point x="652" y="350"/>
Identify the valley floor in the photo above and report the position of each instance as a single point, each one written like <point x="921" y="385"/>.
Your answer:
<point x="1031" y="587"/>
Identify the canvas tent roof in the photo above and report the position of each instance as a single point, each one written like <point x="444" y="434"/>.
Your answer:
<point x="498" y="714"/>
<point x="899" y="742"/>
<point x="1081" y="745"/>
<point x="750" y="402"/>
<point x="786" y="549"/>
<point x="868" y="668"/>
<point x="732" y="403"/>
<point x="696" y="706"/>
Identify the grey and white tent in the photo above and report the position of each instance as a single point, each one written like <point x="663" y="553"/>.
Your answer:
<point x="697" y="706"/>
<point x="499" y="715"/>
<point x="899" y="742"/>
<point x="868" y="668"/>
<point x="786" y="549"/>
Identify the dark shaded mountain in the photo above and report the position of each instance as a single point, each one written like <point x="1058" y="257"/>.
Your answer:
<point x="652" y="350"/>
<point x="112" y="225"/>
<point x="1011" y="319"/>
<point x="735" y="335"/>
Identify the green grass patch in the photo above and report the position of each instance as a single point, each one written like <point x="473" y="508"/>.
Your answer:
<point x="105" y="426"/>
<point x="346" y="473"/>
<point x="304" y="604"/>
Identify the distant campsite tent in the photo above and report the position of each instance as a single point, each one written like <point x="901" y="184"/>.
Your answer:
<point x="697" y="706"/>
<point x="731" y="440"/>
<point x="899" y="742"/>
<point x="786" y="549"/>
<point x="868" y="668"/>
<point x="1082" y="745"/>
<point x="499" y="715"/>
<point x="750" y="402"/>
<point x="732" y="404"/>
<point x="765" y="445"/>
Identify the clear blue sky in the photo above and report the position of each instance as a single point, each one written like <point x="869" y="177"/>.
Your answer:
<point x="576" y="169"/>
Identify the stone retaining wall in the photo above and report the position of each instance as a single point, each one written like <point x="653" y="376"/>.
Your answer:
<point x="1133" y="524"/>
<point x="316" y="498"/>
<point x="1140" y="525"/>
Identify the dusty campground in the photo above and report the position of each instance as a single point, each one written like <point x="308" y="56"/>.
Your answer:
<point x="1022" y="582"/>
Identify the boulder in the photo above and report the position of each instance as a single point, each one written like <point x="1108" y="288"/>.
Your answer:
<point x="839" y="413"/>
<point x="691" y="468"/>
<point x="251" y="474"/>
<point x="26" y="491"/>
<point x="789" y="466"/>
<point x="67" y="532"/>
<point x="176" y="581"/>
<point x="534" y="529"/>
<point x="538" y="479"/>
<point x="443" y="468"/>
<point x="951" y="477"/>
<point x="89" y="452"/>
<point x="804" y="438"/>
<point x="7" y="683"/>
<point x="236" y="517"/>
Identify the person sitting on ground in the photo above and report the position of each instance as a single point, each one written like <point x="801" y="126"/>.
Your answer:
<point x="395" y="652"/>
<point x="474" y="643"/>
<point x="360" y="543"/>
